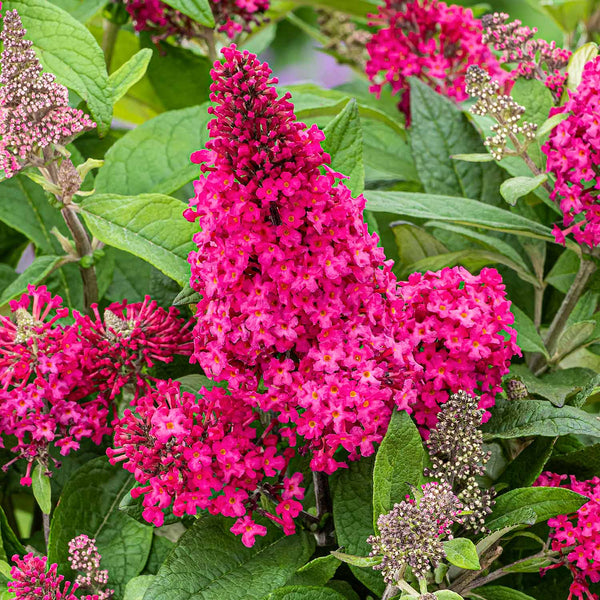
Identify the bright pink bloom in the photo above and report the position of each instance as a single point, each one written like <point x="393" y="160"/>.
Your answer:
<point x="573" y="152"/>
<point x="576" y="536"/>
<point x="459" y="322"/>
<point x="301" y="294"/>
<point x="210" y="459"/>
<point x="31" y="580"/>
<point x="430" y="40"/>
<point x="248" y="529"/>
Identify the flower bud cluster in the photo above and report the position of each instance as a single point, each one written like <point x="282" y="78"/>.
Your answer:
<point x="517" y="44"/>
<point x="430" y="40"/>
<point x="457" y="457"/>
<point x="576" y="536"/>
<point x="516" y="389"/>
<point x="504" y="110"/>
<point x="34" y="107"/>
<point x="57" y="376"/>
<point x="31" y="580"/>
<point x="412" y="533"/>
<point x="204" y="452"/>
<point x="573" y="151"/>
<point x="345" y="39"/>
<point x="85" y="558"/>
<point x="232" y="17"/>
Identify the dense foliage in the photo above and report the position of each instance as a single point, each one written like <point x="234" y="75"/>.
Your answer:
<point x="299" y="341"/>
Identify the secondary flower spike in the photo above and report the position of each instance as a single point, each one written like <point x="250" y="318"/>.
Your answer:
<point x="34" y="107"/>
<point x="430" y="40"/>
<point x="294" y="289"/>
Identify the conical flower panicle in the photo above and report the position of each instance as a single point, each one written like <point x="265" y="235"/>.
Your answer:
<point x="34" y="108"/>
<point x="295" y="290"/>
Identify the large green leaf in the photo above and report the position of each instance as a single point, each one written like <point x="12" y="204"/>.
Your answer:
<point x="317" y="572"/>
<point x="155" y="157"/>
<point x="526" y="468"/>
<point x="198" y="10"/>
<point x="129" y="73"/>
<point x="455" y="210"/>
<point x="462" y="553"/>
<point x="539" y="417"/>
<point x="438" y="131"/>
<point x="67" y="49"/>
<point x="497" y="592"/>
<point x="180" y="77"/>
<point x="210" y="563"/>
<point x="584" y="463"/>
<point x="545" y="502"/>
<point x="414" y="243"/>
<point x="82" y="10"/>
<point x="89" y="505"/>
<point x="35" y="273"/>
<point x="528" y="338"/>
<point x="150" y="226"/>
<point x="304" y="592"/>
<point x="398" y="465"/>
<point x="353" y="516"/>
<point x="343" y="141"/>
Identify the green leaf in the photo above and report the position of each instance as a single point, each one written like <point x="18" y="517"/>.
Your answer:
<point x="478" y="157"/>
<point x="161" y="546"/>
<point x="532" y="565"/>
<point x="549" y="124"/>
<point x="130" y="277"/>
<point x="528" y="338"/>
<point x="398" y="465"/>
<point x="538" y="417"/>
<point x="497" y="592"/>
<point x="517" y="187"/>
<point x="462" y="553"/>
<point x="155" y="157"/>
<point x="577" y="62"/>
<point x="35" y="273"/>
<point x="529" y="464"/>
<point x="41" y="489"/>
<point x="197" y="10"/>
<point x="455" y="210"/>
<point x="304" y="592"/>
<point x="584" y="463"/>
<point x="562" y="274"/>
<point x="129" y="73"/>
<point x="136" y="587"/>
<point x="440" y="130"/>
<point x="82" y="10"/>
<point x="210" y="563"/>
<point x="447" y="595"/>
<point x="414" y="243"/>
<point x="89" y="505"/>
<point x="66" y="48"/>
<point x="343" y="141"/>
<point x="5" y="569"/>
<point x="150" y="226"/>
<point x="317" y="572"/>
<point x="179" y="77"/>
<point x="357" y="561"/>
<point x="545" y="502"/>
<point x="187" y="296"/>
<point x="10" y="543"/>
<point x="352" y="494"/>
<point x="573" y="337"/>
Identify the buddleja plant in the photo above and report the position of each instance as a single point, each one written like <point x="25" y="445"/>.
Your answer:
<point x="227" y="368"/>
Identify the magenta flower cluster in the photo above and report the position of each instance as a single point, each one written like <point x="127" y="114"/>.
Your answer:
<point x="461" y="325"/>
<point x="296" y="293"/>
<point x="231" y="16"/>
<point x="58" y="376"/>
<point x="204" y="452"/>
<point x="300" y="311"/>
<point x="573" y="152"/>
<point x="31" y="580"/>
<point x="34" y="108"/>
<point x="577" y="536"/>
<point x="429" y="40"/>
